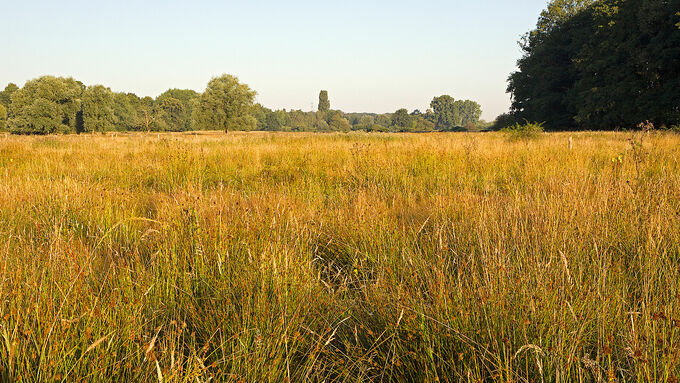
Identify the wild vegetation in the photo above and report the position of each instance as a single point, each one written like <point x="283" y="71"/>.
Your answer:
<point x="49" y="105"/>
<point x="277" y="257"/>
<point x="600" y="64"/>
<point x="151" y="246"/>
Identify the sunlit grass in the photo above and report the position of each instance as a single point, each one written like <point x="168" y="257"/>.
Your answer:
<point x="341" y="257"/>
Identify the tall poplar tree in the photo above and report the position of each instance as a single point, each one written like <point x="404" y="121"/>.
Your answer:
<point x="324" y="103"/>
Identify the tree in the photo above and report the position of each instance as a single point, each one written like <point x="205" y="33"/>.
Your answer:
<point x="98" y="109"/>
<point x="125" y="106"/>
<point x="324" y="103"/>
<point x="420" y="124"/>
<point x="401" y="121"/>
<point x="365" y="122"/>
<point x="336" y="122"/>
<point x="302" y="121"/>
<point x="187" y="97"/>
<point x="226" y="104"/>
<point x="320" y="124"/>
<point x="600" y="65"/>
<point x="383" y="120"/>
<point x="469" y="112"/>
<point x="260" y="114"/>
<point x="547" y="71"/>
<point x="444" y="112"/>
<point x="173" y="114"/>
<point x="277" y="120"/>
<point x="46" y="105"/>
<point x="3" y="117"/>
<point x="147" y="115"/>
<point x="6" y="95"/>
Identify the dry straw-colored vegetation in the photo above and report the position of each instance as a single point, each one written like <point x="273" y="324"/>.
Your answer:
<point x="254" y="257"/>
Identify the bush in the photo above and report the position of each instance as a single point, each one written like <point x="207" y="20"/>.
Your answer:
<point x="525" y="132"/>
<point x="503" y="121"/>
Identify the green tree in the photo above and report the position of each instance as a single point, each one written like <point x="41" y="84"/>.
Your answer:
<point x="173" y="114"/>
<point x="6" y="95"/>
<point x="420" y="124"/>
<point x="469" y="112"/>
<point x="600" y="65"/>
<point x="302" y="121"/>
<point x="46" y="105"/>
<point x="320" y="124"/>
<point x="98" y="109"/>
<point x="324" y="103"/>
<point x="336" y="122"/>
<point x="547" y="71"/>
<point x="445" y="112"/>
<point x="146" y="115"/>
<point x="401" y="121"/>
<point x="125" y="110"/>
<point x="260" y="114"/>
<point x="188" y="98"/>
<point x="226" y="105"/>
<point x="383" y="120"/>
<point x="3" y="117"/>
<point x="42" y="116"/>
<point x="365" y="122"/>
<point x="277" y="120"/>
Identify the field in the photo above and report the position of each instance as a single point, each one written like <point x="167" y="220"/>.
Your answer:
<point x="273" y="257"/>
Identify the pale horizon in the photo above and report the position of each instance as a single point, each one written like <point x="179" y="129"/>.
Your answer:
<point x="373" y="58"/>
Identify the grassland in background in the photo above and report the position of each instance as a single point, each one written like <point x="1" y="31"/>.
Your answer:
<point x="254" y="257"/>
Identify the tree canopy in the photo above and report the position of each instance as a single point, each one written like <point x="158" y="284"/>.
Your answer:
<point x="46" y="105"/>
<point x="51" y="104"/>
<point x="98" y="109"/>
<point x="6" y="94"/>
<point x="449" y="114"/>
<point x="226" y="105"/>
<point x="324" y="103"/>
<point x="3" y="117"/>
<point x="602" y="64"/>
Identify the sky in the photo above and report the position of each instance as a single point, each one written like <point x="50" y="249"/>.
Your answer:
<point x="371" y="56"/>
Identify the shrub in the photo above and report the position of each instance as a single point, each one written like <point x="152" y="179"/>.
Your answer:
<point x="525" y="132"/>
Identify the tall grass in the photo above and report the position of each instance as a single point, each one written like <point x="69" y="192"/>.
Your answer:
<point x="254" y="257"/>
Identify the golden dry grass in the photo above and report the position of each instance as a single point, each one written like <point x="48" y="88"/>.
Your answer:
<point x="342" y="257"/>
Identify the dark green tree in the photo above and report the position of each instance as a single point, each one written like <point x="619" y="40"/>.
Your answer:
<point x="365" y="123"/>
<point x="324" y="103"/>
<point x="188" y="99"/>
<point x="260" y="114"/>
<point x="469" y="112"/>
<point x="3" y="117"/>
<point x="600" y="65"/>
<point x="6" y="95"/>
<point x="336" y="122"/>
<point x="46" y="105"/>
<point x="445" y="112"/>
<point x="147" y="115"/>
<point x="277" y="120"/>
<point x="401" y="121"/>
<point x="125" y="106"/>
<point x="98" y="109"/>
<point x="173" y="114"/>
<point x="226" y="105"/>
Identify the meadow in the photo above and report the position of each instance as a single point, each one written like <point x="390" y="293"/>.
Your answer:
<point x="275" y="257"/>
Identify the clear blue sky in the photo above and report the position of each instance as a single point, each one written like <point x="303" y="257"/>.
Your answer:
<point x="372" y="56"/>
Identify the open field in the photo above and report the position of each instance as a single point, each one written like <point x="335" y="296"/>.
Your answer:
<point x="256" y="257"/>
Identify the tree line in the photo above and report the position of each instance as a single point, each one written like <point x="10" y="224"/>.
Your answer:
<point x="49" y="105"/>
<point x="600" y="64"/>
